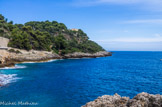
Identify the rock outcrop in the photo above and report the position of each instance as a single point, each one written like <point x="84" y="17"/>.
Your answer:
<point x="33" y="55"/>
<point x="9" y="58"/>
<point x="4" y="42"/>
<point x="140" y="100"/>
<point x="82" y="55"/>
<point x="4" y="56"/>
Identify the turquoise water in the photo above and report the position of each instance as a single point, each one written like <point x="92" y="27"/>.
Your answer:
<point x="73" y="82"/>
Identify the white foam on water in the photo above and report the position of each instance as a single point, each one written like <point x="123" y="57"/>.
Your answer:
<point x="22" y="66"/>
<point x="29" y="62"/>
<point x="7" y="78"/>
<point x="15" y="67"/>
<point x="19" y="66"/>
<point x="52" y="60"/>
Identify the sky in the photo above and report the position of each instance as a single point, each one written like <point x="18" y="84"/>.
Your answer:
<point x="117" y="25"/>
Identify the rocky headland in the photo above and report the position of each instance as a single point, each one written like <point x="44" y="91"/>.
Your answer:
<point x="140" y="100"/>
<point x="8" y="58"/>
<point x="84" y="55"/>
<point x="11" y="56"/>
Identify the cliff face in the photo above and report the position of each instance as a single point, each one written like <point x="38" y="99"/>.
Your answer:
<point x="140" y="100"/>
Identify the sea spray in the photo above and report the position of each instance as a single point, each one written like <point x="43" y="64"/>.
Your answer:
<point x="5" y="79"/>
<point x="52" y="60"/>
<point x="15" y="67"/>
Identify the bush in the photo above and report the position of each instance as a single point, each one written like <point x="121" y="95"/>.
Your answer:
<point x="13" y="51"/>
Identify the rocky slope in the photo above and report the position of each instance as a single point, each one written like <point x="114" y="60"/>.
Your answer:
<point x="140" y="100"/>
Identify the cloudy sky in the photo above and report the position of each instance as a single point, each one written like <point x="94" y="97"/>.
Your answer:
<point x="128" y="25"/>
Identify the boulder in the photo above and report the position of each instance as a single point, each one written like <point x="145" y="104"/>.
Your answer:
<point x="140" y="100"/>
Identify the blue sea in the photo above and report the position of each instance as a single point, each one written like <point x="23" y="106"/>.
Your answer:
<point x="74" y="82"/>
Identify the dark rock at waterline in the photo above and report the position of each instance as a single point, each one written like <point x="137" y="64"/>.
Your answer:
<point x="82" y="55"/>
<point x="10" y="58"/>
<point x="140" y="100"/>
<point x="7" y="64"/>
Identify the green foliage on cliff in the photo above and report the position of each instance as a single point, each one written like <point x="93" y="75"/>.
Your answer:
<point x="46" y="35"/>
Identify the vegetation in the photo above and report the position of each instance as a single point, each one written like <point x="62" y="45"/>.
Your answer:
<point x="13" y="51"/>
<point x="46" y="35"/>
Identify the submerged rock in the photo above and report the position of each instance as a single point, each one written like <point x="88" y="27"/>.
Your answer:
<point x="140" y="100"/>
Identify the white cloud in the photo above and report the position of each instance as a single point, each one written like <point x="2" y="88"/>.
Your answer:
<point x="145" y="4"/>
<point x="120" y="1"/>
<point x="147" y="21"/>
<point x="132" y="40"/>
<point x="157" y="35"/>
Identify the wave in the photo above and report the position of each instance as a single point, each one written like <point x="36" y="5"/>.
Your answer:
<point x="22" y="66"/>
<point x="6" y="79"/>
<point x="52" y="60"/>
<point x="29" y="62"/>
<point x="15" y="67"/>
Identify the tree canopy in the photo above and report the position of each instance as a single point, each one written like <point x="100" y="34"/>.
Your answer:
<point x="48" y="36"/>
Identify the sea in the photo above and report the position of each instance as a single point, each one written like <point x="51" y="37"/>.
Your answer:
<point x="74" y="82"/>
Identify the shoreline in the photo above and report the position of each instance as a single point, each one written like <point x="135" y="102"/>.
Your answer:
<point x="140" y="100"/>
<point x="16" y="63"/>
<point x="77" y="55"/>
<point x="12" y="59"/>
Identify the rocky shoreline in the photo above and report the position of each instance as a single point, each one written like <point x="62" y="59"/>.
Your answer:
<point x="8" y="59"/>
<point x="84" y="55"/>
<point x="140" y="100"/>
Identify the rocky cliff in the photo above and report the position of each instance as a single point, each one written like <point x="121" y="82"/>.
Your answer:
<point x="140" y="100"/>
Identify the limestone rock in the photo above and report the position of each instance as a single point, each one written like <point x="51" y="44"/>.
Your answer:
<point x="141" y="100"/>
<point x="82" y="55"/>
<point x="8" y="58"/>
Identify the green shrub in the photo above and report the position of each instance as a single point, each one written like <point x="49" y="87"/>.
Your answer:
<point x="13" y="51"/>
